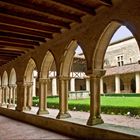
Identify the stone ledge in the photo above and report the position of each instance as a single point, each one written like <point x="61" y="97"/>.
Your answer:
<point x="67" y="128"/>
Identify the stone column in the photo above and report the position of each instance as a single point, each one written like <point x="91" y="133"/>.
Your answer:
<point x="63" y="98"/>
<point x="117" y="84"/>
<point x="20" y="96"/>
<point x="29" y="95"/>
<point x="101" y="86"/>
<point x="3" y="96"/>
<point x="72" y="84"/>
<point x="0" y="95"/>
<point x="137" y="76"/>
<point x="54" y="86"/>
<point x="10" y="97"/>
<point x="14" y="94"/>
<point x="6" y="94"/>
<point x="87" y="84"/>
<point x="25" y="97"/>
<point x="43" y="89"/>
<point x="95" y="76"/>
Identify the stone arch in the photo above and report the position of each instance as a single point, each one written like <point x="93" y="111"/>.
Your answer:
<point x="29" y="70"/>
<point x="12" y="77"/>
<point x="67" y="59"/>
<point x="5" y="79"/>
<point x="46" y="64"/>
<point x="103" y="42"/>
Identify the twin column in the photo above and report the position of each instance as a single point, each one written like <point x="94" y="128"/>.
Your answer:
<point x="27" y="96"/>
<point x="43" y="89"/>
<point x="8" y="95"/>
<point x="95" y="76"/>
<point x="63" y="97"/>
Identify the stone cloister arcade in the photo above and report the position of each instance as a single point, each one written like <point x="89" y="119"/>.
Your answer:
<point x="93" y="35"/>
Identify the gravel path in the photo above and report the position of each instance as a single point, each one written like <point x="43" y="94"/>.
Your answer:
<point x="133" y="122"/>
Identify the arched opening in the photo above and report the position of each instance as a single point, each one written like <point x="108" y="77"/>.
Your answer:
<point x="48" y="70"/>
<point x="5" y="89"/>
<point x="76" y="83"/>
<point x="47" y="82"/>
<point x="119" y="57"/>
<point x="12" y="88"/>
<point x="133" y="85"/>
<point x="30" y="76"/>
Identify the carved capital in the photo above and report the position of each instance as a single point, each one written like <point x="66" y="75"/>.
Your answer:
<point x="28" y="84"/>
<point x="44" y="81"/>
<point x="12" y="85"/>
<point x="65" y="78"/>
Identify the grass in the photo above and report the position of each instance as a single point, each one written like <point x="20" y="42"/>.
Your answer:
<point x="121" y="101"/>
<point x="109" y="104"/>
<point x="105" y="101"/>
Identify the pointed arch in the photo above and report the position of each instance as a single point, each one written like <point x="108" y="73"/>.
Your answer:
<point x="46" y="64"/>
<point x="5" y="79"/>
<point x="29" y="70"/>
<point x="12" y="77"/>
<point x="67" y="59"/>
<point x="103" y="43"/>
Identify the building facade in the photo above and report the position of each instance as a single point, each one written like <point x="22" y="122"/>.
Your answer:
<point x="122" y="67"/>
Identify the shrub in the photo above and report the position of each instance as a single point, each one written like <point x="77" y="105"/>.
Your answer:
<point x="35" y="98"/>
<point x="35" y="102"/>
<point x="120" y="110"/>
<point x="106" y="109"/>
<point x="121" y="95"/>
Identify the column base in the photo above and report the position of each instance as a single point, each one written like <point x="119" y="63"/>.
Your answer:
<point x="63" y="115"/>
<point x="3" y="104"/>
<point x="26" y="108"/>
<point x="10" y="105"/>
<point x="93" y="121"/>
<point x="19" y="109"/>
<point x="42" y="112"/>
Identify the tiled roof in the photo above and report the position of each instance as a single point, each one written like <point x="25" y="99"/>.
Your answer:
<point x="123" y="69"/>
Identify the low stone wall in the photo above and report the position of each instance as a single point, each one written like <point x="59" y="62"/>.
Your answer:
<point x="68" y="128"/>
<point x="82" y="94"/>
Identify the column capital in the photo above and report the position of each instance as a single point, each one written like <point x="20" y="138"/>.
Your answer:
<point x="20" y="83"/>
<point x="4" y="86"/>
<point x="96" y="73"/>
<point x="12" y="85"/>
<point x="28" y="83"/>
<point x="63" y="77"/>
<point x="43" y="80"/>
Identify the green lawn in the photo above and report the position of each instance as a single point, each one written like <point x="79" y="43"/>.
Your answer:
<point x="106" y="101"/>
<point x="109" y="104"/>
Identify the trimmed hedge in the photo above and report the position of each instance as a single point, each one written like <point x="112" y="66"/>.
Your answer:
<point x="122" y="95"/>
<point x="132" y="111"/>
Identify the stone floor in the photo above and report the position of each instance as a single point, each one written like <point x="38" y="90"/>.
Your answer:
<point x="25" y="131"/>
<point x="12" y="129"/>
<point x="82" y="117"/>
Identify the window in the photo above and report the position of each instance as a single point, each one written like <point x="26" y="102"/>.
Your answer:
<point x="120" y="60"/>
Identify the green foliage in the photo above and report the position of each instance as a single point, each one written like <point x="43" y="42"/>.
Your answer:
<point x="35" y="98"/>
<point x="109" y="104"/>
<point x="122" y="95"/>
